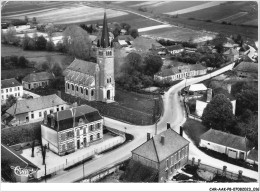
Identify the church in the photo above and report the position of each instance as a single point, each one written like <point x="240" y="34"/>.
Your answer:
<point x="93" y="81"/>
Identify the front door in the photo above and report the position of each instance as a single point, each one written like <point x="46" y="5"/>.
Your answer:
<point x="78" y="144"/>
<point x="108" y="94"/>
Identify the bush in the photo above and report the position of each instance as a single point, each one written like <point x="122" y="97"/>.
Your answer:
<point x="143" y="9"/>
<point x="17" y="22"/>
<point x="224" y="22"/>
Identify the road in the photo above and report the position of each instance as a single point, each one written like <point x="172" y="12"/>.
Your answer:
<point x="174" y="114"/>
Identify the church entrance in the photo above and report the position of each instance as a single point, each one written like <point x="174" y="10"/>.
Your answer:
<point x="108" y="94"/>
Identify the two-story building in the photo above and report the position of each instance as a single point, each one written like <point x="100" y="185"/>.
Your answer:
<point x="180" y="73"/>
<point x="11" y="87"/>
<point x="72" y="129"/>
<point x="35" y="80"/>
<point x="32" y="110"/>
<point x="166" y="152"/>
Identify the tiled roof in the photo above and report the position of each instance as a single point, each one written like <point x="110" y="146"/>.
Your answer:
<point x="156" y="151"/>
<point x="82" y="66"/>
<point x="69" y="118"/>
<point x="27" y="105"/>
<point x="231" y="52"/>
<point x="227" y="139"/>
<point x="247" y="67"/>
<point x="174" y="47"/>
<point x="6" y="83"/>
<point x="80" y="78"/>
<point x="197" y="67"/>
<point x="36" y="77"/>
<point x="15" y="159"/>
<point x="253" y="155"/>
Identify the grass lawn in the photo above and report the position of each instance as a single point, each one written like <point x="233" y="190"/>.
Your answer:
<point x="194" y="129"/>
<point x="36" y="56"/>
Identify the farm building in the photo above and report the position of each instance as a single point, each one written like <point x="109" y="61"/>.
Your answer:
<point x="143" y="44"/>
<point x="93" y="81"/>
<point x="10" y="87"/>
<point x="233" y="146"/>
<point x="35" y="80"/>
<point x="175" y="49"/>
<point x="166" y="152"/>
<point x="231" y="54"/>
<point x="123" y="41"/>
<point x="32" y="110"/>
<point x="180" y="72"/>
<point x="68" y="130"/>
<point x="247" y="70"/>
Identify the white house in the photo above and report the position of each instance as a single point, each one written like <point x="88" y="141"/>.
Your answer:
<point x="180" y="73"/>
<point x="10" y="87"/>
<point x="234" y="146"/>
<point x="72" y="129"/>
<point x="32" y="110"/>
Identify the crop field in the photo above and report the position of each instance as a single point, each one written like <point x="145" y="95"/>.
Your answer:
<point x="179" y="34"/>
<point x="238" y="12"/>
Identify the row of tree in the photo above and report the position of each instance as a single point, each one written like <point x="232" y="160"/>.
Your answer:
<point x="189" y="44"/>
<point x="10" y="62"/>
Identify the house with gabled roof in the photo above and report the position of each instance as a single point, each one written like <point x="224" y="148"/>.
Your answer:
<point x="11" y="87"/>
<point x="166" y="152"/>
<point x="72" y="129"/>
<point x="233" y="146"/>
<point x="35" y="80"/>
<point x="32" y="110"/>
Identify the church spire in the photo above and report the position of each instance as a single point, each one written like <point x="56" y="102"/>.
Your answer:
<point x="105" y="34"/>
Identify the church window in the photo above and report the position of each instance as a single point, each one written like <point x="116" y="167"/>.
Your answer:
<point x="92" y="92"/>
<point x="72" y="87"/>
<point x="77" y="88"/>
<point x="110" y="80"/>
<point x="81" y="90"/>
<point x="86" y="92"/>
<point x="68" y="86"/>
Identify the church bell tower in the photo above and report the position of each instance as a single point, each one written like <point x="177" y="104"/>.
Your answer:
<point x="105" y="60"/>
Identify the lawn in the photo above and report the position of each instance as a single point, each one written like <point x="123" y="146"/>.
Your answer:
<point x="194" y="129"/>
<point x="36" y="56"/>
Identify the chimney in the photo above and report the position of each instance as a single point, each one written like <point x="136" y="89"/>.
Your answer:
<point x="209" y="95"/>
<point x="162" y="140"/>
<point x="168" y="125"/>
<point x="181" y="131"/>
<point x="148" y="136"/>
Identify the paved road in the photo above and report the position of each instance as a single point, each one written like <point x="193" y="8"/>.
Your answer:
<point x="174" y="114"/>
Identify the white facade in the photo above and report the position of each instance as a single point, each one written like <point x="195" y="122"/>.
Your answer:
<point x="15" y="91"/>
<point x="33" y="85"/>
<point x="176" y="51"/>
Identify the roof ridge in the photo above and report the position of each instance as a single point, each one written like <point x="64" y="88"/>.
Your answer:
<point x="156" y="150"/>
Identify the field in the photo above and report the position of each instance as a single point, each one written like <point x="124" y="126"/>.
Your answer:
<point x="71" y="12"/>
<point x="239" y="12"/>
<point x="36" y="56"/>
<point x="179" y="34"/>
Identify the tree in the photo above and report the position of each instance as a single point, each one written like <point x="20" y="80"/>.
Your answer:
<point x="22" y="62"/>
<point x="25" y="42"/>
<point x="125" y="26"/>
<point x="50" y="45"/>
<point x="11" y="100"/>
<point x="77" y="42"/>
<point x="133" y="62"/>
<point x="10" y="35"/>
<point x="26" y="19"/>
<point x="218" y="113"/>
<point x="56" y="69"/>
<point x="34" y="20"/>
<point x="116" y="32"/>
<point x="41" y="43"/>
<point x="134" y="33"/>
<point x="152" y="64"/>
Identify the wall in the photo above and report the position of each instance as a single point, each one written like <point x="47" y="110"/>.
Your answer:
<point x="49" y="136"/>
<point x="213" y="146"/>
<point x="34" y="85"/>
<point x="145" y="161"/>
<point x="200" y="106"/>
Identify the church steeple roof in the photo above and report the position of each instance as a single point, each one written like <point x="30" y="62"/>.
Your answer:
<point x="105" y="34"/>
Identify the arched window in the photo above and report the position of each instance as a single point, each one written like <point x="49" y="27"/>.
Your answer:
<point x="77" y="88"/>
<point x="86" y="92"/>
<point x="81" y="90"/>
<point x="72" y="87"/>
<point x="68" y="86"/>
<point x="92" y="92"/>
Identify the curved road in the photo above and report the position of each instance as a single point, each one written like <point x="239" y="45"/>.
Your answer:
<point x="174" y="114"/>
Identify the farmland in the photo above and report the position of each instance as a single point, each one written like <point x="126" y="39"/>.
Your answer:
<point x="238" y="12"/>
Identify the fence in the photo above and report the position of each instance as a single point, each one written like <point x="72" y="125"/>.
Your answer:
<point x="102" y="147"/>
<point x="220" y="172"/>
